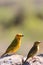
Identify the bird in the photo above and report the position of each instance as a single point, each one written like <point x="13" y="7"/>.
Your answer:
<point x="33" y="50"/>
<point x="14" y="46"/>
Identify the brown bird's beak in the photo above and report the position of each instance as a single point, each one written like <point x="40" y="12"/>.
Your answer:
<point x="40" y="42"/>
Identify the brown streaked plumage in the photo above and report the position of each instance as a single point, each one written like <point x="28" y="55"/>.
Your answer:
<point x="33" y="50"/>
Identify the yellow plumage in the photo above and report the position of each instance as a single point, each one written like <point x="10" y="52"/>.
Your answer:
<point x="14" y="46"/>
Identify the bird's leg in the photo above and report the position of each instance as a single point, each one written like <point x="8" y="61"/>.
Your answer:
<point x="9" y="54"/>
<point x="35" y="59"/>
<point x="30" y="59"/>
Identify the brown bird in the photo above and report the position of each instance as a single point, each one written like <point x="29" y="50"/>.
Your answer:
<point x="33" y="50"/>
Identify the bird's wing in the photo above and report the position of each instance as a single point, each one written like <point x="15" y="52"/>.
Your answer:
<point x="32" y="51"/>
<point x="12" y="45"/>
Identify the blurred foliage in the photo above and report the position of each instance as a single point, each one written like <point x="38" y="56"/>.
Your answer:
<point x="33" y="25"/>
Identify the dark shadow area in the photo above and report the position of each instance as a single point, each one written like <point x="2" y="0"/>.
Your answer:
<point x="40" y="16"/>
<point x="17" y="20"/>
<point x="40" y="55"/>
<point x="26" y="63"/>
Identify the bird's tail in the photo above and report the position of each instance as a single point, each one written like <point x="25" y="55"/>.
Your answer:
<point x="3" y="55"/>
<point x="24" y="61"/>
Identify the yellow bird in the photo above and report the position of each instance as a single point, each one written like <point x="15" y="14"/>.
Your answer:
<point x="14" y="46"/>
<point x="33" y="50"/>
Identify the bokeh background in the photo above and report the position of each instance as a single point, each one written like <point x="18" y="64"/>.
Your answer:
<point x="21" y="16"/>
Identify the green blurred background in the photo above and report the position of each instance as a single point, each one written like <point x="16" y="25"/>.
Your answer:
<point x="31" y="26"/>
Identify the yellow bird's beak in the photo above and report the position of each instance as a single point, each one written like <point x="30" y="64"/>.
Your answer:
<point x="21" y="35"/>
